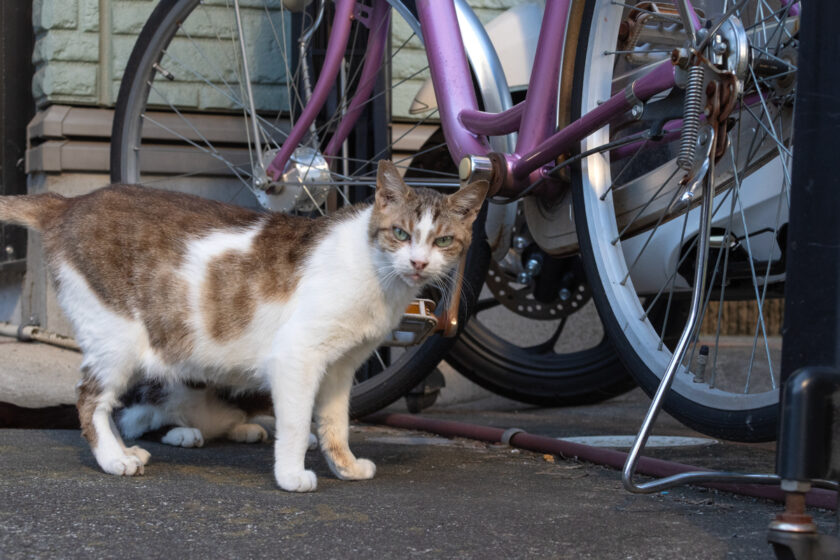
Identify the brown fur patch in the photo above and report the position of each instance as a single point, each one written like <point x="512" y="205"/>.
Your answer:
<point x="338" y="452"/>
<point x="127" y="241"/>
<point x="164" y="314"/>
<point x="236" y="282"/>
<point x="119" y="237"/>
<point x="228" y="301"/>
<point x="37" y="211"/>
<point x="89" y="391"/>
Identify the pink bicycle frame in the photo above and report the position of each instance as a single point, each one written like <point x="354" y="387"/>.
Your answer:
<point x="465" y="127"/>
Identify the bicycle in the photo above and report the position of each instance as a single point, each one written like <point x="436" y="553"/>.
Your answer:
<point x="618" y="108"/>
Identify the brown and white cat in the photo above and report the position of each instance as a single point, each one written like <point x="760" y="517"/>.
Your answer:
<point x="176" y="288"/>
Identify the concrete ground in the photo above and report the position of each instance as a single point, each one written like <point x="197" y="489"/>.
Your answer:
<point x="432" y="497"/>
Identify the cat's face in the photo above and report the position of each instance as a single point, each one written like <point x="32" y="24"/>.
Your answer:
<point x="422" y="231"/>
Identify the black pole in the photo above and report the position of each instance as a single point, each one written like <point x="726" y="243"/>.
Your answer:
<point x="16" y="109"/>
<point x="811" y="335"/>
<point x="809" y="430"/>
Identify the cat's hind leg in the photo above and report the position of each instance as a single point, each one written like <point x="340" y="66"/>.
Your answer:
<point x="183" y="437"/>
<point x="268" y="423"/>
<point x="96" y="403"/>
<point x="247" y="433"/>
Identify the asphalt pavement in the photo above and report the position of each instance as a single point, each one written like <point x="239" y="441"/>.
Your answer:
<point x="432" y="497"/>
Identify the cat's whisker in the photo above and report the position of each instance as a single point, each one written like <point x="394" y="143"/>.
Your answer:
<point x="387" y="273"/>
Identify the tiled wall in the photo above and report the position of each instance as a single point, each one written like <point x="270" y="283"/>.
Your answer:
<point x="82" y="47"/>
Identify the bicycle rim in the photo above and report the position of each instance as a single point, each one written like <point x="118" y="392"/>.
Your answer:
<point x="638" y="228"/>
<point x="184" y="121"/>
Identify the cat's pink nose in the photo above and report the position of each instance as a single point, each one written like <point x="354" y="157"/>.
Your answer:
<point x="419" y="265"/>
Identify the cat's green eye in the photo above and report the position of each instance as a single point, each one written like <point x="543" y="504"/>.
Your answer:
<point x="401" y="234"/>
<point x="444" y="241"/>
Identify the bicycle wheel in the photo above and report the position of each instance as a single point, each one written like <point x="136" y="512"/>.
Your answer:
<point x="638" y="226"/>
<point x="184" y="121"/>
<point x="546" y="349"/>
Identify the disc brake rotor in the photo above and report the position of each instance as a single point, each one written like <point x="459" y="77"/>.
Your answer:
<point x="520" y="299"/>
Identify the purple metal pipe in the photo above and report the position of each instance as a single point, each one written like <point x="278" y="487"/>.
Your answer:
<point x="493" y="124"/>
<point x="450" y="75"/>
<point x="695" y="19"/>
<point x="794" y="9"/>
<point x="565" y="140"/>
<point x="658" y="80"/>
<point x="335" y="52"/>
<point x="672" y="130"/>
<point x="380" y="19"/>
<point x="540" y="117"/>
<point x="649" y="466"/>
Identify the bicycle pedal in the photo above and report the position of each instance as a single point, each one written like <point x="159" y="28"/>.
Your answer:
<point x="417" y="323"/>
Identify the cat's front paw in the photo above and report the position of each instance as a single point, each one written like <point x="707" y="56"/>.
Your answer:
<point x="360" y="469"/>
<point x="140" y="453"/>
<point x="128" y="465"/>
<point x="297" y="481"/>
<point x="183" y="437"/>
<point x="247" y="433"/>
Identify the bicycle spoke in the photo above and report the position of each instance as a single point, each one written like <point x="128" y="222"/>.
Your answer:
<point x="284" y="41"/>
<point x="643" y="10"/>
<point x="211" y="152"/>
<point x="670" y="285"/>
<point x="647" y="204"/>
<point x="621" y="172"/>
<point x="755" y="287"/>
<point x="723" y="283"/>
<point x="685" y="255"/>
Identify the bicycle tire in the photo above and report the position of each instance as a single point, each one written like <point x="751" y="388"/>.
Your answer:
<point x="168" y="18"/>
<point x="716" y="405"/>
<point x="539" y="378"/>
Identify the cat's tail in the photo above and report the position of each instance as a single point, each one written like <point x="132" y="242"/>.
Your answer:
<point x="36" y="211"/>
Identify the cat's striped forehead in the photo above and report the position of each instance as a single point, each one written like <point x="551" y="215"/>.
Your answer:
<point x="423" y="214"/>
<point x="426" y="201"/>
<point x="421" y="206"/>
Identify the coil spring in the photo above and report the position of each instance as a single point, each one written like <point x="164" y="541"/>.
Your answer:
<point x="692" y="107"/>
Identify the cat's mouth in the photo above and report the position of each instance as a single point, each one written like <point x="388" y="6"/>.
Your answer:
<point x="415" y="278"/>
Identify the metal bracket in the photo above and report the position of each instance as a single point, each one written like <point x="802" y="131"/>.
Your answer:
<point x="363" y="14"/>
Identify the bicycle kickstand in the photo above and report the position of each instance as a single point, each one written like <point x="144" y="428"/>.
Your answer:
<point x="691" y="327"/>
<point x="788" y="530"/>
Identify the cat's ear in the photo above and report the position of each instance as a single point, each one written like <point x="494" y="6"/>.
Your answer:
<point x="390" y="188"/>
<point x="467" y="201"/>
